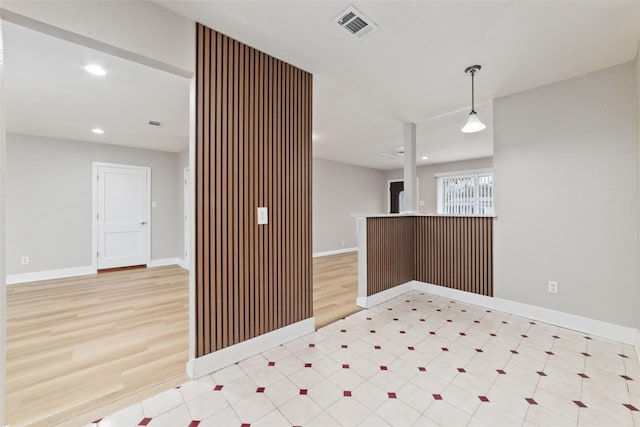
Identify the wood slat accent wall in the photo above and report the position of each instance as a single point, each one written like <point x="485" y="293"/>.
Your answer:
<point x="390" y="252"/>
<point x="253" y="149"/>
<point x="455" y="252"/>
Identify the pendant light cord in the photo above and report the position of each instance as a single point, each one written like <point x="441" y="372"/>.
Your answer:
<point x="473" y="108"/>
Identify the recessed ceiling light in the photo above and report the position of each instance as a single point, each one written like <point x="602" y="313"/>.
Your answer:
<point x="97" y="131"/>
<point x="96" y="70"/>
<point x="425" y="157"/>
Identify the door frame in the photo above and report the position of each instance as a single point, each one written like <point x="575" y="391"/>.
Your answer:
<point x="185" y="218"/>
<point x="94" y="206"/>
<point x="386" y="192"/>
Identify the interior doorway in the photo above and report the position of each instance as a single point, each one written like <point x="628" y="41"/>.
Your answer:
<point x="396" y="196"/>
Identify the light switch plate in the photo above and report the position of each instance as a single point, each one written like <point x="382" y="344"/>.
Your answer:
<point x="263" y="216"/>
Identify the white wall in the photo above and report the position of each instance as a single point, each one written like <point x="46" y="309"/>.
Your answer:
<point x="49" y="201"/>
<point x="566" y="195"/>
<point x="3" y="288"/>
<point x="427" y="183"/>
<point x="182" y="163"/>
<point x="141" y="31"/>
<point x="637" y="70"/>
<point x="339" y="190"/>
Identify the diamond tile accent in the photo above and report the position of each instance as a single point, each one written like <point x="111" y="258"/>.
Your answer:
<point x="580" y="404"/>
<point x="461" y="370"/>
<point x="583" y="375"/>
<point x="630" y="407"/>
<point x="391" y="395"/>
<point x="463" y="334"/>
<point x="308" y="365"/>
<point x="411" y="348"/>
<point x="345" y="366"/>
<point x="142" y="422"/>
<point x="303" y="391"/>
<point x="588" y="338"/>
<point x="422" y="369"/>
<point x="422" y="320"/>
<point x="372" y="331"/>
<point x="556" y="337"/>
<point x="98" y="420"/>
<point x="271" y="364"/>
<point x="501" y="372"/>
<point x="194" y="423"/>
<point x="524" y="336"/>
<point x="245" y="425"/>
<point x="514" y="352"/>
<point x="343" y="330"/>
<point x="586" y="354"/>
<point x="432" y="332"/>
<point x="437" y="397"/>
<point x="542" y="374"/>
<point x="346" y="393"/>
<point x="402" y="332"/>
<point x="311" y="345"/>
<point x="344" y="346"/>
<point x="493" y="335"/>
<point x="445" y="349"/>
<point x="218" y="388"/>
<point x="260" y="390"/>
<point x="479" y="350"/>
<point x="624" y="356"/>
<point x="483" y="398"/>
<point x="550" y="353"/>
<point x="628" y="378"/>
<point x="377" y="347"/>
<point x="383" y="368"/>
<point x="531" y="401"/>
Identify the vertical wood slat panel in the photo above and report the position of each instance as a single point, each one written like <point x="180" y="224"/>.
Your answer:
<point x="253" y="148"/>
<point x="455" y="252"/>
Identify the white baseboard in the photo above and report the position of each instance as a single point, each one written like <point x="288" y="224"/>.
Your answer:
<point x="334" y="252"/>
<point x="570" y="321"/>
<point x="50" y="274"/>
<point x="182" y="263"/>
<point x="165" y="261"/>
<point x="380" y="297"/>
<point x="211" y="362"/>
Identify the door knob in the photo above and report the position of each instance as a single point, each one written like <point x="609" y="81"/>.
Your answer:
<point x="143" y="223"/>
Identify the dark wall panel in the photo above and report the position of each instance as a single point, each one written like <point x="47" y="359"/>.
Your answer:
<point x="253" y="148"/>
<point x="390" y="252"/>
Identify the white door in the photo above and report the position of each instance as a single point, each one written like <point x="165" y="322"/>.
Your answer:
<point x="187" y="208"/>
<point x="123" y="215"/>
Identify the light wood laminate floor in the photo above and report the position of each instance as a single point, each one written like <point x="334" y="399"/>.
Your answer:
<point x="335" y="287"/>
<point x="79" y="348"/>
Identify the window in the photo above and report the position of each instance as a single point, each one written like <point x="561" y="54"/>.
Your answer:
<point x="465" y="193"/>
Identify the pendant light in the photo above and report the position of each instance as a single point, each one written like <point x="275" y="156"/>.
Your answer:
<point x="473" y="122"/>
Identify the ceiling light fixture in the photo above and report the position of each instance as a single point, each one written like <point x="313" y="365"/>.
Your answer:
<point x="96" y="70"/>
<point x="425" y="157"/>
<point x="97" y="131"/>
<point x="473" y="122"/>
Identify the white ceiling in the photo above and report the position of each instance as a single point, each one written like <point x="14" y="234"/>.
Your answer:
<point x="48" y="93"/>
<point x="412" y="69"/>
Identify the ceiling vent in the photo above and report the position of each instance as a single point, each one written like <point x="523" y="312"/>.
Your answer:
<point x="396" y="153"/>
<point x="155" y="123"/>
<point x="355" y="22"/>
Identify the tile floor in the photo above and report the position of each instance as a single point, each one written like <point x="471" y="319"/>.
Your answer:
<point x="417" y="360"/>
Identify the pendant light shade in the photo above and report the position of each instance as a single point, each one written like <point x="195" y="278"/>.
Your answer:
<point x="473" y="121"/>
<point x="473" y="124"/>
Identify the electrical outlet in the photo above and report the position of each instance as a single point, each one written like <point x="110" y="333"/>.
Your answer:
<point x="24" y="260"/>
<point x="553" y="287"/>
